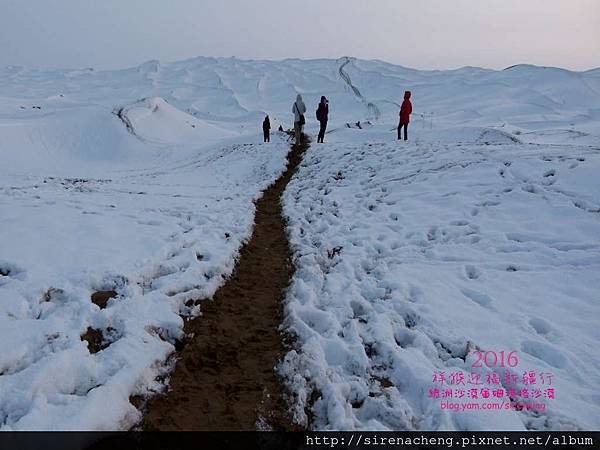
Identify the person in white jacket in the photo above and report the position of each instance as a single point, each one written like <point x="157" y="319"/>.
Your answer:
<point x="299" y="109"/>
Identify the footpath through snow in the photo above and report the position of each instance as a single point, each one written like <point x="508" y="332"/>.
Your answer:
<point x="224" y="378"/>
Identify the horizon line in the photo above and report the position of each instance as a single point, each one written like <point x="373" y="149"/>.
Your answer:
<point x="309" y="59"/>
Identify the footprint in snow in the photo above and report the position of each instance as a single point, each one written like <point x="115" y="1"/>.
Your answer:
<point x="549" y="178"/>
<point x="415" y="294"/>
<point x="411" y="319"/>
<point x="50" y="343"/>
<point x="100" y="339"/>
<point x="541" y="326"/>
<point x="404" y="337"/>
<point x="101" y="298"/>
<point x="472" y="272"/>
<point x="489" y="203"/>
<point x="480" y="298"/>
<point x="432" y="233"/>
<point x="459" y="223"/>
<point x="10" y="271"/>
<point x="152" y="223"/>
<point x="546" y="353"/>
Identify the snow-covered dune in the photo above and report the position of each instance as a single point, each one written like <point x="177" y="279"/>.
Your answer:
<point x="123" y="193"/>
<point x="233" y="93"/>
<point x="141" y="181"/>
<point x="155" y="121"/>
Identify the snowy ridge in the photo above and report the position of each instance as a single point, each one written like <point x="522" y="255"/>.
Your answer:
<point x="155" y="121"/>
<point x="234" y="93"/>
<point x="374" y="112"/>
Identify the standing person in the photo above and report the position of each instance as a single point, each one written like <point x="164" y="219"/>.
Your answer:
<point x="299" y="109"/>
<point x="267" y="129"/>
<point x="322" y="117"/>
<point x="405" y="111"/>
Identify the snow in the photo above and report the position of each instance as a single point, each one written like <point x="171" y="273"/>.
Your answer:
<point x="156" y="213"/>
<point x="158" y="237"/>
<point x="411" y="255"/>
<point x="482" y="232"/>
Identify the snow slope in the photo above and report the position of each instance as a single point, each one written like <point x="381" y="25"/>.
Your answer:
<point x="134" y="196"/>
<point x="157" y="237"/>
<point x="142" y="180"/>
<point x="411" y="256"/>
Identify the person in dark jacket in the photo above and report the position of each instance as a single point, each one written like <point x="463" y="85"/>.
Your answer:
<point x="405" y="111"/>
<point x="267" y="129"/>
<point x="322" y="117"/>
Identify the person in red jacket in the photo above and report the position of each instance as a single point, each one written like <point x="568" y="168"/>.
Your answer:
<point x="405" y="111"/>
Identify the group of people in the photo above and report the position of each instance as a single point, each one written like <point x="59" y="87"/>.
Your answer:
<point x="299" y="109"/>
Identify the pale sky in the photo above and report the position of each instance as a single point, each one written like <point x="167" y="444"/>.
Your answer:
<point x="107" y="34"/>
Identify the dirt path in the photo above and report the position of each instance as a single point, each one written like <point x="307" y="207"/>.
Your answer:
<point x="224" y="377"/>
